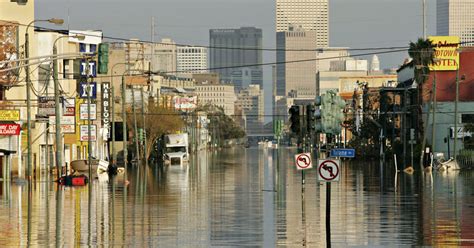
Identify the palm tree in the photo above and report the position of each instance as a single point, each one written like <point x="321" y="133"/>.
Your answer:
<point x="422" y="53"/>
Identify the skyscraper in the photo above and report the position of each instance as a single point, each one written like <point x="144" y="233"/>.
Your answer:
<point x="310" y="15"/>
<point x="455" y="18"/>
<point x="296" y="79"/>
<point x="247" y="42"/>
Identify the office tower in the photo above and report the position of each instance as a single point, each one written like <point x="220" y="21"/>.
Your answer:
<point x="455" y="18"/>
<point x="296" y="79"/>
<point x="191" y="60"/>
<point x="310" y="15"/>
<point x="247" y="44"/>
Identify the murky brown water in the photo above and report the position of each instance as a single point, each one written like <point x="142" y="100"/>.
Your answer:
<point x="234" y="198"/>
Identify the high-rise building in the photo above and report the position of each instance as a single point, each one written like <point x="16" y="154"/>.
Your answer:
<point x="455" y="18"/>
<point x="247" y="42"/>
<point x="310" y="15"/>
<point x="191" y="60"/>
<point x="296" y="79"/>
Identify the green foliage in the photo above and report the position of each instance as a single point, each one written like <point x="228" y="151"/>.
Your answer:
<point x="221" y="126"/>
<point x="422" y="52"/>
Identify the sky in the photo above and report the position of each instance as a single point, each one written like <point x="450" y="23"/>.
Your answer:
<point x="352" y="23"/>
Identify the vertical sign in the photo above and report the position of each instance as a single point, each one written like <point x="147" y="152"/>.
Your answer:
<point x="106" y="105"/>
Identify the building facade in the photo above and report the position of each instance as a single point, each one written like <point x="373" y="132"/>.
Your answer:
<point x="191" y="60"/>
<point x="310" y="15"/>
<point x="222" y="95"/>
<point x="455" y="18"/>
<point x="248" y="44"/>
<point x="251" y="101"/>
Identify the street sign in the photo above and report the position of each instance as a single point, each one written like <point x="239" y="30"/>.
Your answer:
<point x="303" y="161"/>
<point x="328" y="170"/>
<point x="343" y="152"/>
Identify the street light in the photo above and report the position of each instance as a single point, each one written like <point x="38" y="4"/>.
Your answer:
<point x="28" y="89"/>
<point x="59" y="144"/>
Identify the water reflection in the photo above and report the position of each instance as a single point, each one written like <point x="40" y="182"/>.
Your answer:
<point x="242" y="197"/>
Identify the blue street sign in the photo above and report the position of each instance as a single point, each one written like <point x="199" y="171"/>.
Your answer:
<point x="343" y="152"/>
<point x="83" y="90"/>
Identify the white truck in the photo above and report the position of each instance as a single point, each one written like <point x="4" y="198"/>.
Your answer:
<point x="176" y="152"/>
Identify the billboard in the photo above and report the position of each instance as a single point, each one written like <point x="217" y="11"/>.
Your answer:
<point x="10" y="129"/>
<point x="185" y="103"/>
<point x="446" y="53"/>
<point x="8" y="51"/>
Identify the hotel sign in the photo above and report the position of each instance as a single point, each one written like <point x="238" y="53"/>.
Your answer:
<point x="446" y="53"/>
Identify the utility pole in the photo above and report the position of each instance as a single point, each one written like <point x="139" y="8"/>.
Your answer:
<point x="124" y="126"/>
<point x="57" y="114"/>
<point x="433" y="127"/>
<point x="89" y="132"/>
<point x="424" y="18"/>
<point x="455" y="133"/>
<point x="137" y="147"/>
<point x="144" y="128"/>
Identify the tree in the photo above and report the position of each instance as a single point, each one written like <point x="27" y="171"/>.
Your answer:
<point x="221" y="126"/>
<point x="158" y="122"/>
<point x="422" y="53"/>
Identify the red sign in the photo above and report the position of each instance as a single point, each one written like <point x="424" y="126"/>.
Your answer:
<point x="10" y="129"/>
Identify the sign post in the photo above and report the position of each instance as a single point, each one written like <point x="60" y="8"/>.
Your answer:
<point x="328" y="171"/>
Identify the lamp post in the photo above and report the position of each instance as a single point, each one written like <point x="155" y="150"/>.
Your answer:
<point x="455" y="132"/>
<point x="114" y="154"/>
<point x="59" y="144"/>
<point x="28" y="89"/>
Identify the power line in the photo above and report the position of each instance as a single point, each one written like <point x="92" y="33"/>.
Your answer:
<point x="66" y="31"/>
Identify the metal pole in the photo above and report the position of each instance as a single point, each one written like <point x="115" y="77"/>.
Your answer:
<point x="89" y="133"/>
<point x="137" y="148"/>
<point x="456" y="115"/>
<point x="57" y="115"/>
<point x="144" y="128"/>
<point x="433" y="127"/>
<point x="328" y="214"/>
<point x="124" y="125"/>
<point x="424" y="19"/>
<point x="28" y="104"/>
<point x="114" y="154"/>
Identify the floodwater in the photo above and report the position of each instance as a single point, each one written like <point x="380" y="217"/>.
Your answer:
<point x="243" y="197"/>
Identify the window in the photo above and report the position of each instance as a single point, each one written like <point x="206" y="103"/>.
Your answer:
<point x="467" y="118"/>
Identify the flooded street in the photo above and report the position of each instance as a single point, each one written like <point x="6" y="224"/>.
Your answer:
<point x="243" y="197"/>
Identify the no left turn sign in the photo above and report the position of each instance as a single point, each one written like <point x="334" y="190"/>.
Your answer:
<point x="303" y="161"/>
<point x="328" y="170"/>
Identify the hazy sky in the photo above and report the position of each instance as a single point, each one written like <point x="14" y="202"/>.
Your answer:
<point x="353" y="23"/>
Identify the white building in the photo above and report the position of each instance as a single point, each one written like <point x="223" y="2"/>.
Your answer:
<point x="221" y="95"/>
<point x="191" y="59"/>
<point x="455" y="18"/>
<point x="308" y="14"/>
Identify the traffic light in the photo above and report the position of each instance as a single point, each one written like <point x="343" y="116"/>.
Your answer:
<point x="330" y="113"/>
<point x="310" y="118"/>
<point x="294" y="112"/>
<point x="103" y="58"/>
